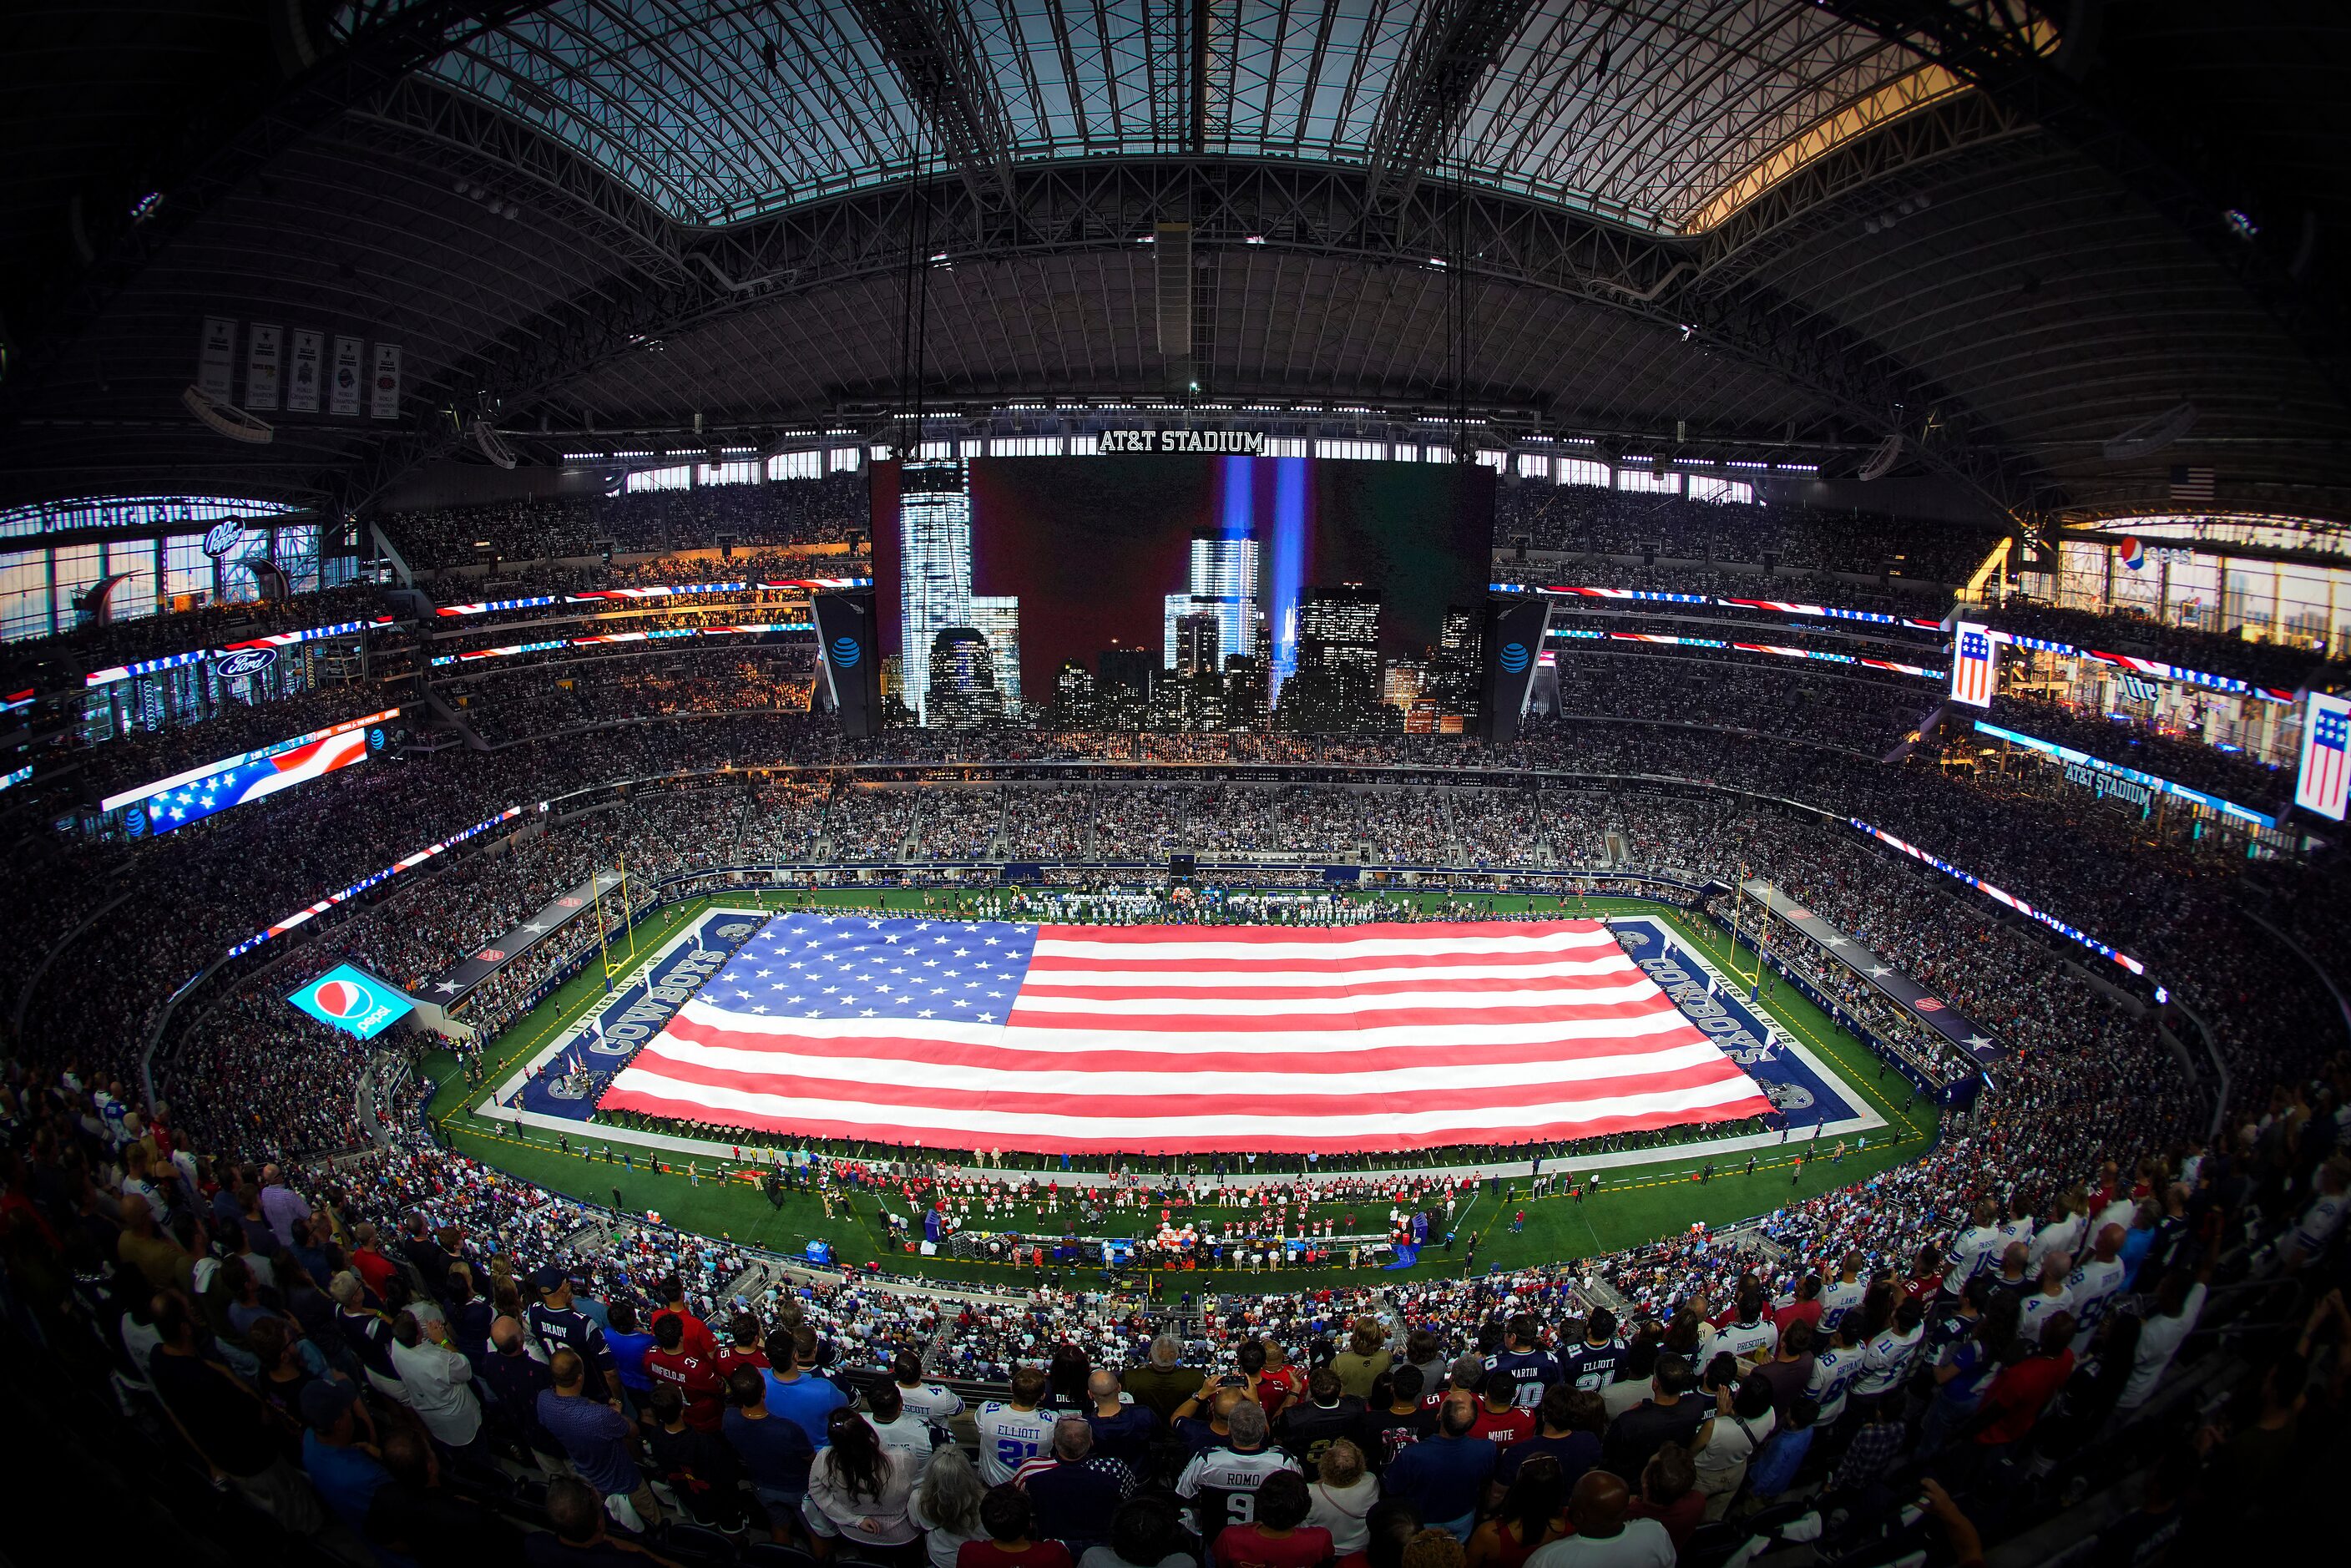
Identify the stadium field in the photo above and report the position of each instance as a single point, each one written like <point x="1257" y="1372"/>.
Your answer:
<point x="1635" y="1202"/>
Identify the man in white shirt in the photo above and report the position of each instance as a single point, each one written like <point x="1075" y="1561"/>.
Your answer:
<point x="2096" y="1282"/>
<point x="1834" y="1371"/>
<point x="2322" y="1218"/>
<point x="2178" y="1300"/>
<point x="2047" y="1301"/>
<point x="2062" y="1234"/>
<point x="1977" y="1246"/>
<point x="1844" y="1292"/>
<point x="1604" y="1537"/>
<point x="435" y="1376"/>
<point x="1886" y="1360"/>
<point x="1012" y="1433"/>
<point x="900" y="1428"/>
<point x="1748" y="1335"/>
<point x="926" y="1402"/>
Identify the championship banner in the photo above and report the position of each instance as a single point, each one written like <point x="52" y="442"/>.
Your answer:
<point x="1914" y="999"/>
<point x="354" y="1001"/>
<point x="472" y="970"/>
<point x="216" y="359"/>
<point x="383" y="383"/>
<point x="261" y="367"/>
<point x="304" y="365"/>
<point x="343" y="391"/>
<point x="2324" y="778"/>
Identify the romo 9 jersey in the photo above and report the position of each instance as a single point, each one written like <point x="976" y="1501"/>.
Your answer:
<point x="1222" y="1486"/>
<point x="1008" y="1438"/>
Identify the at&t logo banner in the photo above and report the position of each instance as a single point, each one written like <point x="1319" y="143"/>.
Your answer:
<point x="352" y="1001"/>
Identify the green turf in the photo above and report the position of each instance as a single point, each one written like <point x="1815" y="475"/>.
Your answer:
<point x="1632" y="1205"/>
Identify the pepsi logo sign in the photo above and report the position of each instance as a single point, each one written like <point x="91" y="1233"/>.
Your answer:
<point x="1927" y="1005"/>
<point x="2133" y="553"/>
<point x="224" y="536"/>
<point x="1513" y="657"/>
<point x="491" y="956"/>
<point x="845" y="651"/>
<point x="246" y="662"/>
<point x="340" y="997"/>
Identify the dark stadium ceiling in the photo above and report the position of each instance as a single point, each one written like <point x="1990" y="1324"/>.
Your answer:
<point x="2006" y="233"/>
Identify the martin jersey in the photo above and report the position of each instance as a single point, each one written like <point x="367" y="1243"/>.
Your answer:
<point x="1593" y="1367"/>
<point x="1222" y="1486"/>
<point x="1533" y="1371"/>
<point x="1009" y="1438"/>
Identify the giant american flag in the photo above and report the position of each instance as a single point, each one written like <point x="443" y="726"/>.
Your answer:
<point x="2324" y="783"/>
<point x="1175" y="1038"/>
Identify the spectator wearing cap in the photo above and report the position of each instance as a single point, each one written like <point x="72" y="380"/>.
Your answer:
<point x="598" y="1440"/>
<point x="556" y="1323"/>
<point x="340" y="1464"/>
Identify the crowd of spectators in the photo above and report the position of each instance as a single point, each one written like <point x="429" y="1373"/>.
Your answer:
<point x="1589" y="520"/>
<point x="2130" y="742"/>
<point x="752" y="517"/>
<point x="2218" y="650"/>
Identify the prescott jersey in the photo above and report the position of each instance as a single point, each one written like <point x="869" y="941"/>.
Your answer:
<point x="1008" y="1438"/>
<point x="931" y="1403"/>
<point x="1533" y="1370"/>
<point x="1593" y="1367"/>
<point x="1748" y="1342"/>
<point x="1977" y="1247"/>
<point x="1222" y="1486"/>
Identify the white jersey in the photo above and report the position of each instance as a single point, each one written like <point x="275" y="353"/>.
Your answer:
<point x="1008" y="1438"/>
<point x="2037" y="1309"/>
<point x="1978" y="1247"/>
<point x="2319" y="1222"/>
<point x="929" y="1402"/>
<point x="1748" y="1342"/>
<point x="2058" y="1235"/>
<point x="2092" y="1288"/>
<point x="909" y="1435"/>
<point x="1833" y="1371"/>
<point x="1840" y="1297"/>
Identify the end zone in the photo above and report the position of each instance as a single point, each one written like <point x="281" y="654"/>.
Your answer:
<point x="1801" y="1085"/>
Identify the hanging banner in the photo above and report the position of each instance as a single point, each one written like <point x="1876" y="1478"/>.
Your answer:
<point x="217" y="358"/>
<point x="261" y="367"/>
<point x="343" y="391"/>
<point x="383" y="384"/>
<point x="302" y="368"/>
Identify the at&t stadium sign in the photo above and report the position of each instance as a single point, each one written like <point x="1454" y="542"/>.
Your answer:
<point x="1228" y="443"/>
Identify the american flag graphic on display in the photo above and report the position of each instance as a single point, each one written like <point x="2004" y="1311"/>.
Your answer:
<point x="2325" y="777"/>
<point x="2191" y="486"/>
<point x="1973" y="666"/>
<point x="1168" y="1039"/>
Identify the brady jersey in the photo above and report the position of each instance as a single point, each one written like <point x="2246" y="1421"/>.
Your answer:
<point x="1222" y="1486"/>
<point x="1593" y="1367"/>
<point x="1533" y="1371"/>
<point x="1008" y="1438"/>
<point x="568" y="1327"/>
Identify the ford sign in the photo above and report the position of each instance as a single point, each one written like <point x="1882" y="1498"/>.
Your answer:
<point x="1513" y="657"/>
<point x="224" y="536"/>
<point x="845" y="653"/>
<point x="245" y="662"/>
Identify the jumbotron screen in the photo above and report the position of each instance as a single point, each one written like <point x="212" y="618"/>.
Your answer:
<point x="1172" y="592"/>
